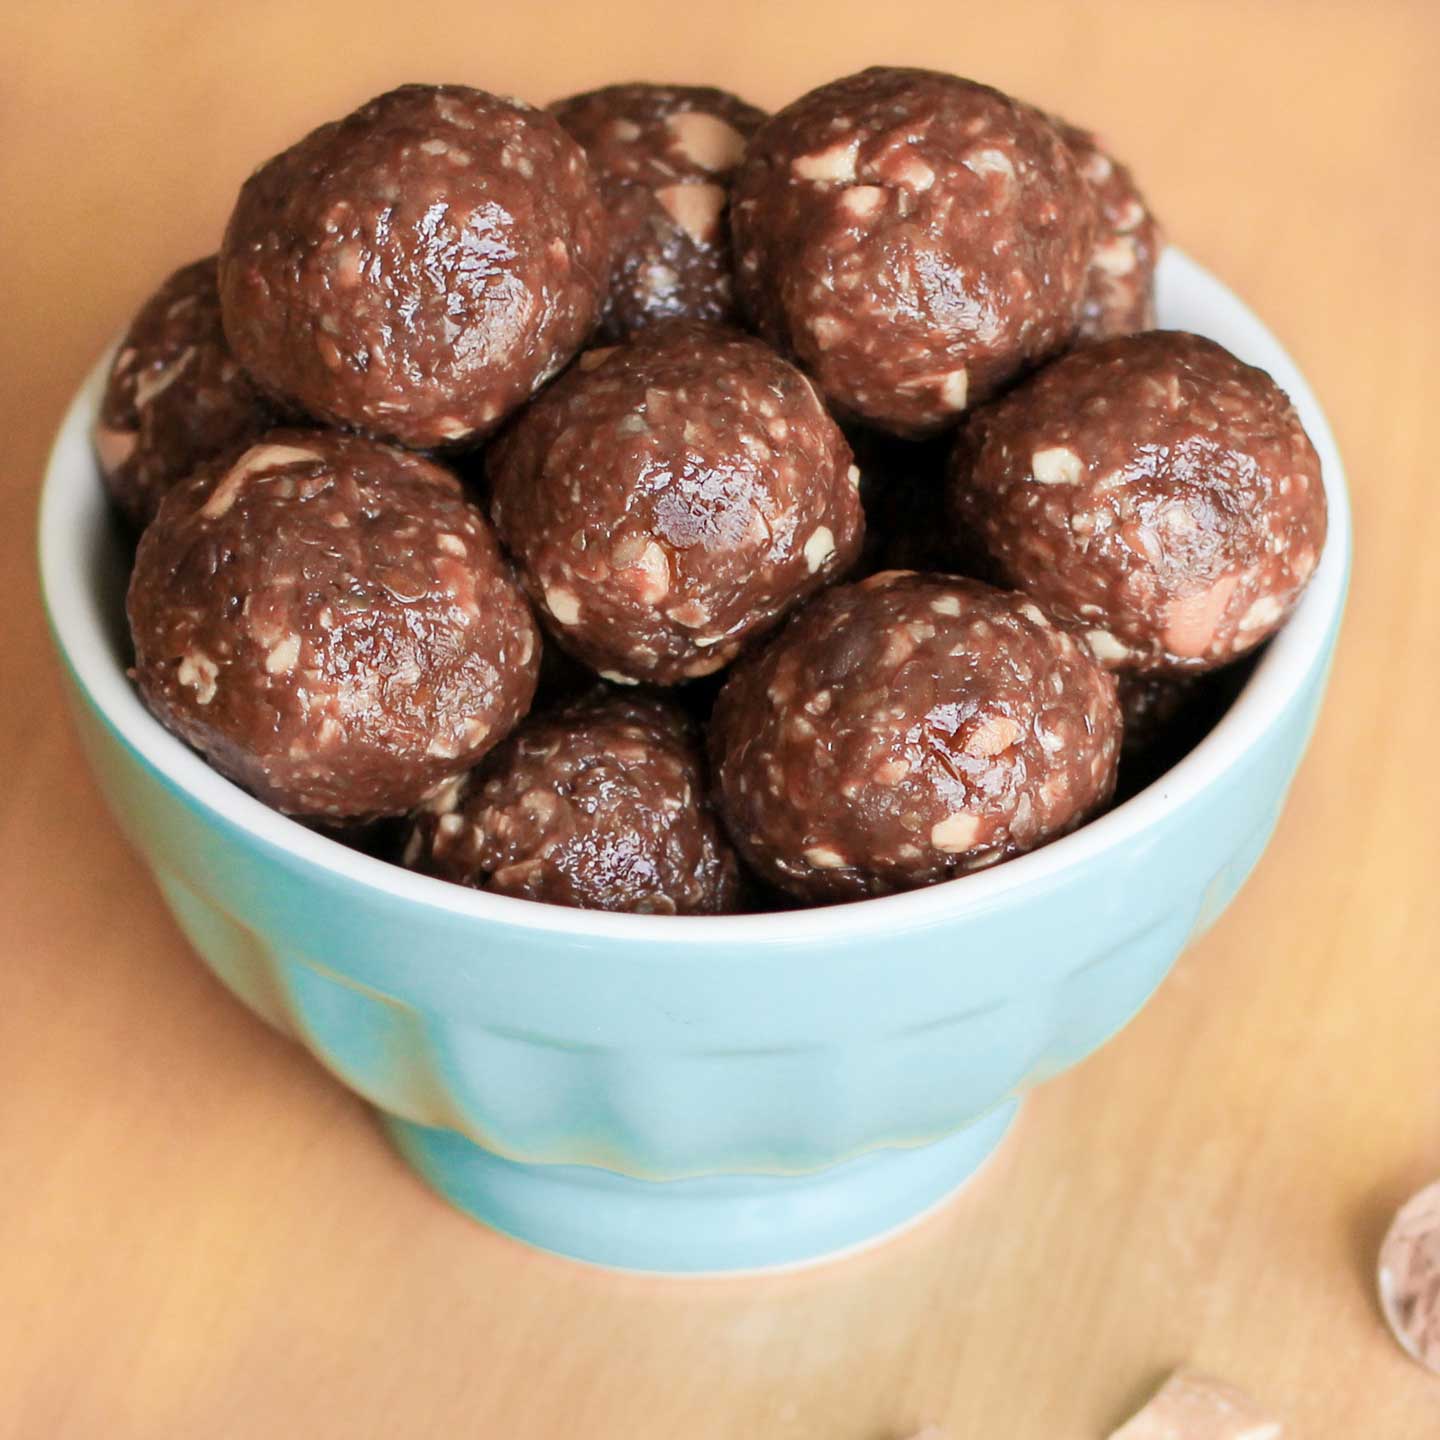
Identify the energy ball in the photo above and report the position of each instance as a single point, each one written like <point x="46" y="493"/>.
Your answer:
<point x="418" y="269"/>
<point x="331" y="624"/>
<point x="175" y="395"/>
<point x="1154" y="491"/>
<point x="914" y="239"/>
<point x="1153" y="707"/>
<point x="909" y="729"/>
<point x="1120" y="280"/>
<point x="599" y="806"/>
<point x="670" y="498"/>
<point x="663" y="155"/>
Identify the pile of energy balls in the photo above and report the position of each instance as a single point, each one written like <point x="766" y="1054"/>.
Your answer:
<point x="508" y="474"/>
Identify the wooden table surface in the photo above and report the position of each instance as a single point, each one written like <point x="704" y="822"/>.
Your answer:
<point x="203" y="1235"/>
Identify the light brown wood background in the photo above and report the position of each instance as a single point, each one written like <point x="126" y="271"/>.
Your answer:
<point x="202" y="1235"/>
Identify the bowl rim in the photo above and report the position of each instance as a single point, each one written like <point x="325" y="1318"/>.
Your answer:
<point x="68" y="511"/>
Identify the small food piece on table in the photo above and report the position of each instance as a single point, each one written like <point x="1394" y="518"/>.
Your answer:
<point x="175" y="395"/>
<point x="1409" y="1276"/>
<point x="1155" y="492"/>
<point x="914" y="239"/>
<point x="1120" y="280"/>
<point x="670" y="498"/>
<point x="418" y="269"/>
<point x="908" y="729"/>
<point x="600" y="806"/>
<point x="1192" y="1406"/>
<point x="331" y="624"/>
<point x="663" y="156"/>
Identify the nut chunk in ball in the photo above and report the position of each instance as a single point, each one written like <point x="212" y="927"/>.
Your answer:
<point x="914" y="239"/>
<point x="599" y="806"/>
<point x="175" y="395"/>
<point x="1120" y="281"/>
<point x="1153" y="490"/>
<point x="418" y="268"/>
<point x="672" y="497"/>
<point x="908" y="729"/>
<point x="331" y="624"/>
<point x="663" y="155"/>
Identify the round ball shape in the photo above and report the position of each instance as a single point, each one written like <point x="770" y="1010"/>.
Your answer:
<point x="1120" y="279"/>
<point x="419" y="268"/>
<point x="670" y="498"/>
<point x="1153" y="490"/>
<point x="599" y="806"/>
<point x="909" y="729"/>
<point x="175" y="395"/>
<point x="663" y="155"/>
<point x="914" y="239"/>
<point x="331" y="624"/>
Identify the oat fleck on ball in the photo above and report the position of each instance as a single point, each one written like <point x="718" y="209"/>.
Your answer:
<point x="916" y="241"/>
<point x="175" y="395"/>
<point x="669" y="499"/>
<point x="331" y="624"/>
<point x="418" y="269"/>
<point x="600" y="806"/>
<point x="1153" y="490"/>
<point x="663" y="155"/>
<point x="906" y="730"/>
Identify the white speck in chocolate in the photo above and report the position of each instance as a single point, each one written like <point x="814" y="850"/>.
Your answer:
<point x="199" y="672"/>
<point x="1106" y="646"/>
<point x="1057" y="466"/>
<point x="863" y="200"/>
<point x="256" y="460"/>
<point x="955" y="389"/>
<point x="696" y="209"/>
<point x="563" y="604"/>
<point x="706" y="140"/>
<point x="280" y="658"/>
<point x="836" y="162"/>
<point x="955" y="833"/>
<point x="819" y="547"/>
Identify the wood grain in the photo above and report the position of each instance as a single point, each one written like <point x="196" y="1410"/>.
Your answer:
<point x="201" y="1234"/>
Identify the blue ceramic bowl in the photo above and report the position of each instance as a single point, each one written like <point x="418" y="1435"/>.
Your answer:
<point x="694" y="1094"/>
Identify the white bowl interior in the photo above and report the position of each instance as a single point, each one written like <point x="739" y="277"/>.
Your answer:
<point x="83" y="575"/>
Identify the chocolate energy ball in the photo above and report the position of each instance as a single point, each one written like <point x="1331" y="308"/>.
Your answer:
<point x="670" y="498"/>
<point x="175" y="395"/>
<point x="663" y="155"/>
<point x="1153" y="490"/>
<point x="914" y="239"/>
<point x="1120" y="281"/>
<point x="331" y="624"/>
<point x="419" y="268"/>
<point x="599" y="806"/>
<point x="908" y="729"/>
<point x="1152" y="708"/>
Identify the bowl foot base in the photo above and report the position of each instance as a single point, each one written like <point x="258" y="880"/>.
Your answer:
<point x="719" y="1223"/>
